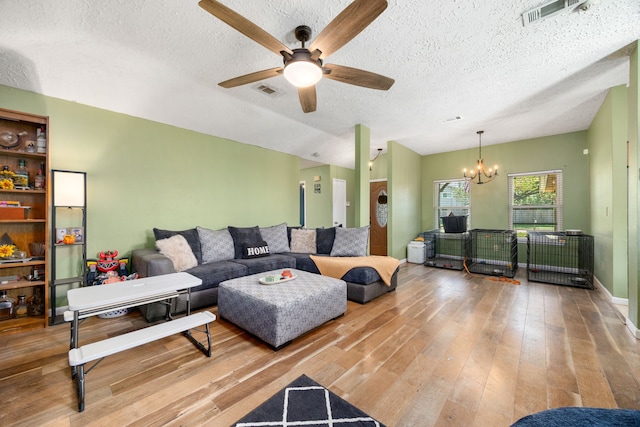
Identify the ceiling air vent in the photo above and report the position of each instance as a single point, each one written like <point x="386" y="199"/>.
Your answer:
<point x="268" y="90"/>
<point x="547" y="9"/>
<point x="451" y="119"/>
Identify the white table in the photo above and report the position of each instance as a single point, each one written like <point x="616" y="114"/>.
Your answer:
<point x="93" y="300"/>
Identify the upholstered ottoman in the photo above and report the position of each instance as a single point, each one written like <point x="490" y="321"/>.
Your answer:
<point x="278" y="313"/>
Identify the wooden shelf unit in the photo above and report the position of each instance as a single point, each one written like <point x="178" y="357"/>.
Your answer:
<point x="34" y="228"/>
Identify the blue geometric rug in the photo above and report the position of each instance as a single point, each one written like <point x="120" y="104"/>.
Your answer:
<point x="306" y="403"/>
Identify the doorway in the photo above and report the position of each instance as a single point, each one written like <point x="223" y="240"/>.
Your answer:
<point x="339" y="202"/>
<point x="303" y="204"/>
<point x="378" y="216"/>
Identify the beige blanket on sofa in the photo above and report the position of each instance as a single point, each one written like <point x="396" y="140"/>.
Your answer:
<point x="337" y="267"/>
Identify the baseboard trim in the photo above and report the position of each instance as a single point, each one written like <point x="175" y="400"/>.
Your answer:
<point x="620" y="301"/>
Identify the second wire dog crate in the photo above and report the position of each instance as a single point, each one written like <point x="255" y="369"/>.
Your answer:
<point x="560" y="258"/>
<point x="446" y="250"/>
<point x="493" y="252"/>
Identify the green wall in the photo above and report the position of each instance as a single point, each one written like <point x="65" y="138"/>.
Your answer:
<point x="143" y="174"/>
<point x="404" y="187"/>
<point x="633" y="134"/>
<point x="607" y="138"/>
<point x="490" y="202"/>
<point x="379" y="169"/>
<point x="319" y="205"/>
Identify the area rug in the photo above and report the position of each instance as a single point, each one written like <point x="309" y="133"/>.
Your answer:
<point x="306" y="403"/>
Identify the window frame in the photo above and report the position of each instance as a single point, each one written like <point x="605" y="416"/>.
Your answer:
<point x="436" y="202"/>
<point x="559" y="206"/>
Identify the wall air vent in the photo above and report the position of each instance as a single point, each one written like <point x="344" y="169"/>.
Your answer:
<point x="268" y="90"/>
<point x="547" y="9"/>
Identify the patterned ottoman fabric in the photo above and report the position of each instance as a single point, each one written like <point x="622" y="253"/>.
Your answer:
<point x="278" y="313"/>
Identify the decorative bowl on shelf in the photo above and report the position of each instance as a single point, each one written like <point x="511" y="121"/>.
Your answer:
<point x="36" y="249"/>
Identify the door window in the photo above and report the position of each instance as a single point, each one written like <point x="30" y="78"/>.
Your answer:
<point x="382" y="208"/>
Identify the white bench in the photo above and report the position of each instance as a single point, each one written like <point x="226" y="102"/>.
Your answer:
<point x="78" y="357"/>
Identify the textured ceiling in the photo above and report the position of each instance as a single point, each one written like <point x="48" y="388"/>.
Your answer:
<point x="162" y="60"/>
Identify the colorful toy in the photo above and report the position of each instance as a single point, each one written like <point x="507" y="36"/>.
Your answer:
<point x="108" y="269"/>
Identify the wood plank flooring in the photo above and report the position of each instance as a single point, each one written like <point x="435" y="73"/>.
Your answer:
<point x="445" y="349"/>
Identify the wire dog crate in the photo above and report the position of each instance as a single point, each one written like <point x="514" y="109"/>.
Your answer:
<point x="560" y="258"/>
<point x="446" y="250"/>
<point x="494" y="252"/>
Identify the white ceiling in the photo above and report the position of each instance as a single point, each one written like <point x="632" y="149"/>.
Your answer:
<point x="162" y="60"/>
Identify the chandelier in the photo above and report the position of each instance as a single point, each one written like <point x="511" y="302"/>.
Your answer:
<point x="480" y="170"/>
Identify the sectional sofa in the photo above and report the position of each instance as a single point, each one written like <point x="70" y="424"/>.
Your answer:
<point x="218" y="255"/>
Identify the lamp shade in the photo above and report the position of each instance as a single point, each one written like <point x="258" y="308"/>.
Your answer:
<point x="302" y="73"/>
<point x="69" y="188"/>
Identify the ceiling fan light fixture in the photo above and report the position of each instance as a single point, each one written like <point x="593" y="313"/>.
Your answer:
<point x="301" y="70"/>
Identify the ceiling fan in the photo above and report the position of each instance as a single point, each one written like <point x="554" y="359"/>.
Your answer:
<point x="304" y="67"/>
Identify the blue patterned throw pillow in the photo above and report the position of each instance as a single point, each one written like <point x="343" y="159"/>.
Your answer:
<point x="276" y="238"/>
<point x="351" y="241"/>
<point x="216" y="245"/>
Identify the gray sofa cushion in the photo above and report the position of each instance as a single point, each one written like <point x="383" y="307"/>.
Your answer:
<point x="276" y="238"/>
<point x="217" y="245"/>
<point x="362" y="275"/>
<point x="191" y="235"/>
<point x="271" y="262"/>
<point x="244" y="236"/>
<point x="351" y="241"/>
<point x="324" y="240"/>
<point x="304" y="262"/>
<point x="215" y="272"/>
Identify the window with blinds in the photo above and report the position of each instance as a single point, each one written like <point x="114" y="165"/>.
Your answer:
<point x="535" y="202"/>
<point x="451" y="196"/>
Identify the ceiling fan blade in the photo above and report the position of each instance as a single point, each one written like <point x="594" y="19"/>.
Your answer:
<point x="307" y="97"/>
<point x="348" y="24"/>
<point x="354" y="76"/>
<point x="243" y="25"/>
<point x="252" y="77"/>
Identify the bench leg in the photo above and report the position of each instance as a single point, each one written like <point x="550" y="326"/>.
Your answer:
<point x="73" y="338"/>
<point x="198" y="344"/>
<point x="80" y="387"/>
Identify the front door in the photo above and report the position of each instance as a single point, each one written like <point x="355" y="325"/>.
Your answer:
<point x="378" y="216"/>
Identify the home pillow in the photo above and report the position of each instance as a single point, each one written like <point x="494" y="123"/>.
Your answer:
<point x="351" y="241"/>
<point x="303" y="241"/>
<point x="191" y="235"/>
<point x="255" y="250"/>
<point x="217" y="245"/>
<point x="177" y="249"/>
<point x="244" y="236"/>
<point x="276" y="238"/>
